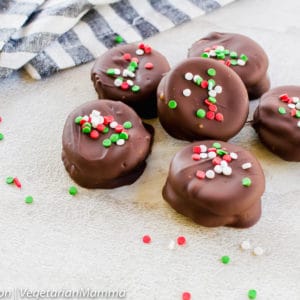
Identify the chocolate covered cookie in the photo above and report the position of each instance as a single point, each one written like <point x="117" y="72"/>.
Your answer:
<point x="215" y="184"/>
<point x="241" y="54"/>
<point x="130" y="73"/>
<point x="277" y="121"/>
<point x="105" y="144"/>
<point x="202" y="99"/>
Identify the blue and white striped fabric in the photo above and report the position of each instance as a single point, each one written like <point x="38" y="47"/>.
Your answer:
<point x="44" y="37"/>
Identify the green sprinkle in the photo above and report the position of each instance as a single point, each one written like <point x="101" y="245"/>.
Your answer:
<point x="246" y="181"/>
<point x="86" y="129"/>
<point x="131" y="68"/>
<point x="114" y="137"/>
<point x="110" y="71"/>
<point x="252" y="294"/>
<point x="9" y="180"/>
<point x="244" y="57"/>
<point x="221" y="152"/>
<point x="105" y="130"/>
<point x="1" y="136"/>
<point x="73" y="190"/>
<point x="133" y="64"/>
<point x="233" y="62"/>
<point x="135" y="88"/>
<point x="172" y="104"/>
<point x="233" y="54"/>
<point x="281" y="110"/>
<point x="297" y="115"/>
<point x="29" y="199"/>
<point x="119" y="39"/>
<point x="217" y="145"/>
<point x="211" y="83"/>
<point x="127" y="125"/>
<point x="123" y="135"/>
<point x="78" y="119"/>
<point x="205" y="55"/>
<point x="225" y="259"/>
<point x="212" y="99"/>
<point x="198" y="79"/>
<point x="211" y="72"/>
<point x="220" y="56"/>
<point x="226" y="51"/>
<point x="106" y="143"/>
<point x="201" y="113"/>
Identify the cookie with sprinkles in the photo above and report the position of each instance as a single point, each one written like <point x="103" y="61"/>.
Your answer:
<point x="202" y="99"/>
<point x="130" y="73"/>
<point x="242" y="54"/>
<point x="215" y="184"/>
<point x="277" y="121"/>
<point x="105" y="144"/>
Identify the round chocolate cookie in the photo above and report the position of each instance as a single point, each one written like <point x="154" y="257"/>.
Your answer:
<point x="130" y="73"/>
<point x="241" y="54"/>
<point x="105" y="144"/>
<point x="202" y="99"/>
<point x="216" y="184"/>
<point x="277" y="121"/>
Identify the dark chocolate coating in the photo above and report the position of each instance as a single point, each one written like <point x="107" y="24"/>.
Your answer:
<point x="221" y="201"/>
<point x="143" y="101"/>
<point x="254" y="73"/>
<point x="278" y="132"/>
<point x="90" y="164"/>
<point x="182" y="122"/>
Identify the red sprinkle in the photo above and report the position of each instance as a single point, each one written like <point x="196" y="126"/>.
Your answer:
<point x="108" y="119"/>
<point x="101" y="127"/>
<point x="212" y="150"/>
<point x="146" y="239"/>
<point x="181" y="240"/>
<point x="219" y="117"/>
<point x="127" y="56"/>
<point x="215" y="47"/>
<point x="17" y="182"/>
<point x="212" y="107"/>
<point x="135" y="59"/>
<point x="196" y="149"/>
<point x="204" y="84"/>
<point x="284" y="97"/>
<point x="149" y="66"/>
<point x="200" y="174"/>
<point x="210" y="115"/>
<point x="124" y="85"/>
<point x="227" y="157"/>
<point x="82" y="121"/>
<point x="148" y="49"/>
<point x="0" y="119"/>
<point x="142" y="46"/>
<point x="207" y="102"/>
<point x="196" y="156"/>
<point x="227" y="63"/>
<point x="207" y="49"/>
<point x="216" y="161"/>
<point x="186" y="296"/>
<point x="119" y="128"/>
<point x="293" y="112"/>
<point x="94" y="134"/>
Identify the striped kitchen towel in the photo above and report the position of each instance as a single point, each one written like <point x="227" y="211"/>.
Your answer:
<point x="44" y="37"/>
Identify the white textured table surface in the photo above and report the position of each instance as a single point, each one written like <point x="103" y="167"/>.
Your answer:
<point x="93" y="240"/>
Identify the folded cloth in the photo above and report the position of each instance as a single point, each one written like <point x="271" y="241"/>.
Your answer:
<point x="44" y="37"/>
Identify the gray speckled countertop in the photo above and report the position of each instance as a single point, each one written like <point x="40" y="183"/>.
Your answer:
<point x="93" y="240"/>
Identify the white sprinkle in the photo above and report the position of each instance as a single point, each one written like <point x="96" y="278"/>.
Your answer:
<point x="233" y="155"/>
<point x="224" y="163"/>
<point x="186" y="92"/>
<point x="212" y="93"/>
<point x="139" y="52"/>
<point x="203" y="148"/>
<point x="227" y="171"/>
<point x="196" y="78"/>
<point x="113" y="124"/>
<point x="118" y="82"/>
<point x="117" y="71"/>
<point x="212" y="154"/>
<point x="120" y="142"/>
<point x="203" y="155"/>
<point x="218" y="169"/>
<point x="188" y="76"/>
<point x="241" y="62"/>
<point x="246" y="166"/>
<point x="258" y="251"/>
<point x="295" y="99"/>
<point x="125" y="73"/>
<point x="220" y="48"/>
<point x="131" y="74"/>
<point x="298" y="105"/>
<point x="298" y="124"/>
<point x="171" y="245"/>
<point x="291" y="105"/>
<point x="95" y="113"/>
<point x="212" y="53"/>
<point x="210" y="174"/>
<point x="96" y="121"/>
<point x="245" y="245"/>
<point x="85" y="118"/>
<point x="130" y="82"/>
<point x="218" y="89"/>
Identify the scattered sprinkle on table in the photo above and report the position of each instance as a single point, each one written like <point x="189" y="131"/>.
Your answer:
<point x="1" y="136"/>
<point x="29" y="199"/>
<point x="17" y="182"/>
<point x="225" y="259"/>
<point x="171" y="245"/>
<point x="186" y="296"/>
<point x="245" y="245"/>
<point x="73" y="190"/>
<point x="9" y="180"/>
<point x="258" y="251"/>
<point x="181" y="240"/>
<point x="252" y="294"/>
<point x="146" y="239"/>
